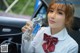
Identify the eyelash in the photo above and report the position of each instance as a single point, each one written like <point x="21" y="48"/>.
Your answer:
<point x="60" y="13"/>
<point x="51" y="11"/>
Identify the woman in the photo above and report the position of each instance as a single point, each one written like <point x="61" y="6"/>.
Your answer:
<point x="55" y="38"/>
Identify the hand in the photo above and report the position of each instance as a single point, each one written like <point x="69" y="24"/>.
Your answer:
<point x="28" y="26"/>
<point x="27" y="29"/>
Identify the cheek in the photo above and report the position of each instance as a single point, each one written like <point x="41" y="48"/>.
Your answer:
<point x="61" y="19"/>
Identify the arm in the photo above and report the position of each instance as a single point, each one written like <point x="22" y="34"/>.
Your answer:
<point x="26" y="38"/>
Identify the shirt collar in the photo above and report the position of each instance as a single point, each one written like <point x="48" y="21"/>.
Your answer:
<point x="60" y="35"/>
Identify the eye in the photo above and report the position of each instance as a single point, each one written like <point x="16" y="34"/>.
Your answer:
<point x="61" y="13"/>
<point x="51" y="11"/>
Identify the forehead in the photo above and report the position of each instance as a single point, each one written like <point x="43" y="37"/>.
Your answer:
<point x="57" y="6"/>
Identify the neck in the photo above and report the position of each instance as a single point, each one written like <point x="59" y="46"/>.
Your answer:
<point x="56" y="30"/>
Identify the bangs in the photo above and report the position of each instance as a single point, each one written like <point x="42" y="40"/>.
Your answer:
<point x="57" y="7"/>
<point x="66" y="8"/>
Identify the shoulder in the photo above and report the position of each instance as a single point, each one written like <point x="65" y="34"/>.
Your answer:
<point x="70" y="39"/>
<point x="72" y="43"/>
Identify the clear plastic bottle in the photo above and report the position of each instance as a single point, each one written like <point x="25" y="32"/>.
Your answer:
<point x="37" y="23"/>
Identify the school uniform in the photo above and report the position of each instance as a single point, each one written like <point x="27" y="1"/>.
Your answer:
<point x="65" y="44"/>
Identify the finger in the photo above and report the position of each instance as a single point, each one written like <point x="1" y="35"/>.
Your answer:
<point x="26" y="28"/>
<point x="23" y="29"/>
<point x="29" y="23"/>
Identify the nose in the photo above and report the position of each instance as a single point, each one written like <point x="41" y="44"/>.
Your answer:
<point x="53" y="15"/>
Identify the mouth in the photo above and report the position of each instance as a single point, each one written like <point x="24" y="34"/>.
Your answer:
<point x="52" y="21"/>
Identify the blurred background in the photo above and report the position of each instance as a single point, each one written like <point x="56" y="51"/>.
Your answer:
<point x="21" y="7"/>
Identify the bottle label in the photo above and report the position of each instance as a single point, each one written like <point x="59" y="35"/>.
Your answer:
<point x="36" y="28"/>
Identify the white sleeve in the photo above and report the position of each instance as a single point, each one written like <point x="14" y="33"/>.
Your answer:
<point x="25" y="43"/>
<point x="74" y="49"/>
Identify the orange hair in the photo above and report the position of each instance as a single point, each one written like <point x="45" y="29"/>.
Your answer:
<point x="68" y="10"/>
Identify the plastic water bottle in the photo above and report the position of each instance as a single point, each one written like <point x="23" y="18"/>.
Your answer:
<point x="37" y="23"/>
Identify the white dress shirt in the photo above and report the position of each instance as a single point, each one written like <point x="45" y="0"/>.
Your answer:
<point x="66" y="44"/>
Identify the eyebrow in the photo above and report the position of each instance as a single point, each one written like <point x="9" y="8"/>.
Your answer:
<point x="51" y="8"/>
<point x="60" y="10"/>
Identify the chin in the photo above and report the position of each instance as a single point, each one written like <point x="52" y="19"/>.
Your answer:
<point x="52" y="26"/>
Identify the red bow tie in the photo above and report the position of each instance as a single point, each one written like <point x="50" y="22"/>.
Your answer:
<point x="49" y="44"/>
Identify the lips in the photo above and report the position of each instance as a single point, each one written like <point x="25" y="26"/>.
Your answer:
<point x="51" y="21"/>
